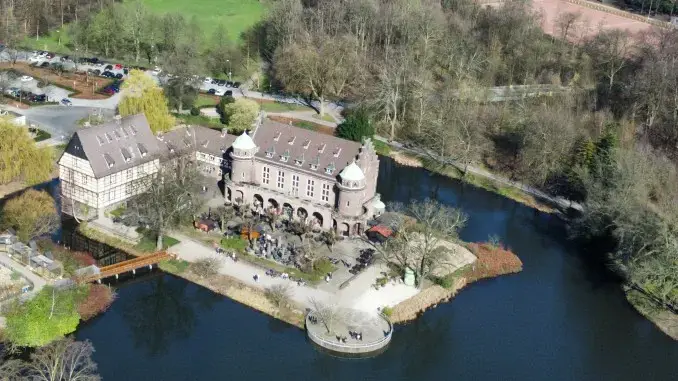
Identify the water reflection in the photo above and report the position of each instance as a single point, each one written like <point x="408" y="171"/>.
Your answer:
<point x="161" y="313"/>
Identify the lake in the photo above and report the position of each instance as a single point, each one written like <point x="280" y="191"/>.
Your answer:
<point x="563" y="318"/>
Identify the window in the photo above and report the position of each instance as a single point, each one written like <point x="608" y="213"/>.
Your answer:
<point x="129" y="174"/>
<point x="266" y="175"/>
<point x="84" y="179"/>
<point x="295" y="185"/>
<point x="326" y="192"/>
<point x="128" y="189"/>
<point x="281" y="179"/>
<point x="310" y="187"/>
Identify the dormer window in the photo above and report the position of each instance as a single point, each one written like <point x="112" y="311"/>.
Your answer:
<point x="117" y="135"/>
<point x="109" y="160"/>
<point x="142" y="149"/>
<point x="277" y="136"/>
<point x="321" y="148"/>
<point x="124" y="131"/>
<point x="306" y="144"/>
<point x="134" y="130"/>
<point x="126" y="155"/>
<point x="291" y="141"/>
<point x="330" y="168"/>
<point x="285" y="156"/>
<point x="337" y="152"/>
<point x="108" y="137"/>
<point x="315" y="162"/>
<point x="270" y="152"/>
<point x="299" y="160"/>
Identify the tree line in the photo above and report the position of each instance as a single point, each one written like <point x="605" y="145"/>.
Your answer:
<point x="420" y="69"/>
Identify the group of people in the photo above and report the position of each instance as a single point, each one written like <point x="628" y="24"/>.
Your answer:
<point x="313" y="319"/>
<point x="354" y="335"/>
<point x="231" y="255"/>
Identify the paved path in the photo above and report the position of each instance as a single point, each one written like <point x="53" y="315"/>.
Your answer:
<point x="359" y="294"/>
<point x="191" y="250"/>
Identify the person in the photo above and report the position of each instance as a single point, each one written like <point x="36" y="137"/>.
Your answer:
<point x="256" y="277"/>
<point x="327" y="279"/>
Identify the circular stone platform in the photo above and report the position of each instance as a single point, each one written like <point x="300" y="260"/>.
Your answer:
<point x="376" y="332"/>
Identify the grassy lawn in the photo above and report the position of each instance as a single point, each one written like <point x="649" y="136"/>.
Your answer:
<point x="174" y="266"/>
<point x="204" y="100"/>
<point x="283" y="107"/>
<point x="381" y="147"/>
<point x="326" y="118"/>
<point x="147" y="243"/>
<point x="234" y="243"/>
<point x="200" y="120"/>
<point x="236" y="15"/>
<point x="41" y="135"/>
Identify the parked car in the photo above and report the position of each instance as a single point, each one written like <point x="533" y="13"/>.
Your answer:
<point x="125" y="70"/>
<point x="109" y="67"/>
<point x="212" y="91"/>
<point x="35" y="59"/>
<point x="207" y="80"/>
<point x="118" y="76"/>
<point x="156" y="71"/>
<point x="40" y="98"/>
<point x="118" y="66"/>
<point x="215" y="81"/>
<point x="26" y="78"/>
<point x="65" y="58"/>
<point x="228" y="93"/>
<point x="50" y="55"/>
<point x="96" y="72"/>
<point x="66" y="102"/>
<point x="220" y="92"/>
<point x="229" y="83"/>
<point x="236" y="84"/>
<point x="221" y="82"/>
<point x="107" y="74"/>
<point x="93" y="60"/>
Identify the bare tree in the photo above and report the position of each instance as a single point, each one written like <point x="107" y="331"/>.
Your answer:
<point x="327" y="314"/>
<point x="170" y="195"/>
<point x="610" y="51"/>
<point x="63" y="360"/>
<point x="421" y="241"/>
<point x="279" y="295"/>
<point x="324" y="67"/>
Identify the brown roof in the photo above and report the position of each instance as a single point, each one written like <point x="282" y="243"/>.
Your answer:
<point x="196" y="138"/>
<point x="304" y="149"/>
<point x="115" y="146"/>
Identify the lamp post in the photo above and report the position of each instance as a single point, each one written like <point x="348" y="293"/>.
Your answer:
<point x="229" y="70"/>
<point x="59" y="36"/>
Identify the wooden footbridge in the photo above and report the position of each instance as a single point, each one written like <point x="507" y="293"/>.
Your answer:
<point x="127" y="266"/>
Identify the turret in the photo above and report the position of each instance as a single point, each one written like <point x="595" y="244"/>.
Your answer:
<point x="242" y="158"/>
<point x="351" y="185"/>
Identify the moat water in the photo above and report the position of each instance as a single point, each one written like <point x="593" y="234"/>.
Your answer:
<point x="562" y="318"/>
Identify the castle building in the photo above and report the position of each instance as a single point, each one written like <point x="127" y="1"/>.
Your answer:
<point x="322" y="180"/>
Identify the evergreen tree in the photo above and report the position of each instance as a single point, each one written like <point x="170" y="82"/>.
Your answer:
<point x="356" y="126"/>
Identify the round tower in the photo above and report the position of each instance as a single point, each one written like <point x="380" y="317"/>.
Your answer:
<point x="351" y="187"/>
<point x="242" y="158"/>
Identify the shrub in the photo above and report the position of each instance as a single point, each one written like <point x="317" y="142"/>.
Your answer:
<point x="388" y="311"/>
<point x="279" y="295"/>
<point x="49" y="316"/>
<point x="240" y="115"/>
<point x="195" y="111"/>
<point x="356" y="126"/>
<point x="206" y="267"/>
<point x="99" y="298"/>
<point x="83" y="259"/>
<point x="445" y="281"/>
<point x="493" y="260"/>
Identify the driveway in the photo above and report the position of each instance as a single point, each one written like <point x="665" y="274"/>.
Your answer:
<point x="60" y="120"/>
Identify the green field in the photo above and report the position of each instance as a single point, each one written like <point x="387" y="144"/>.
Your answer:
<point x="283" y="107"/>
<point x="236" y="15"/>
